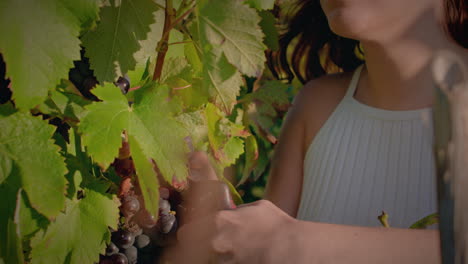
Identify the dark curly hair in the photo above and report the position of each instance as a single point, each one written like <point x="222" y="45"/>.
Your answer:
<point x="456" y="20"/>
<point x="316" y="49"/>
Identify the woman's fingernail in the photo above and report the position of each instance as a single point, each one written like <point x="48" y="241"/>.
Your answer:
<point x="195" y="174"/>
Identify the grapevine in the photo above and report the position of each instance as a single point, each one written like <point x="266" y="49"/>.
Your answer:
<point x="102" y="103"/>
<point x="99" y="117"/>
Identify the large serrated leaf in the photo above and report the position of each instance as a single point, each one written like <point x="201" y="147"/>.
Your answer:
<point x="86" y="11"/>
<point x="268" y="27"/>
<point x="195" y="124"/>
<point x="66" y="105"/>
<point x="251" y="158"/>
<point x="236" y="33"/>
<point x="225" y="146"/>
<point x="264" y="105"/>
<point x="261" y="4"/>
<point x="148" y="45"/>
<point x="28" y="219"/>
<point x="112" y="45"/>
<point x="149" y="121"/>
<point x="147" y="178"/>
<point x="79" y="234"/>
<point x="41" y="172"/>
<point x="39" y="43"/>
<point x="13" y="245"/>
<point x="10" y="234"/>
<point x="104" y="123"/>
<point x="221" y="79"/>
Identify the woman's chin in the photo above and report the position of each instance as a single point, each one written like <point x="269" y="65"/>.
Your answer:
<point x="348" y="25"/>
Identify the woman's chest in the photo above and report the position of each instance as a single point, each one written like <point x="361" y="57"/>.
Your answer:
<point x="358" y="167"/>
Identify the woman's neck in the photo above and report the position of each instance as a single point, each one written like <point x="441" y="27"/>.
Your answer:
<point x="398" y="75"/>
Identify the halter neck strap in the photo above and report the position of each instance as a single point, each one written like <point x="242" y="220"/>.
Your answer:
<point x="354" y="81"/>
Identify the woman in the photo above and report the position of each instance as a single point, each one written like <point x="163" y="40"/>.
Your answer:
<point x="354" y="143"/>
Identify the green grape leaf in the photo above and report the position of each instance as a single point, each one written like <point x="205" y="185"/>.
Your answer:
<point x="82" y="172"/>
<point x="10" y="234"/>
<point x="66" y="105"/>
<point x="123" y="24"/>
<point x="146" y="56"/>
<point x="79" y="234"/>
<point x="193" y="58"/>
<point x="236" y="197"/>
<point x="264" y="105"/>
<point x="185" y="84"/>
<point x="195" y="124"/>
<point x="265" y="155"/>
<point x="147" y="177"/>
<point x="138" y="76"/>
<point x="13" y="247"/>
<point x="236" y="33"/>
<point x="273" y="95"/>
<point x="225" y="145"/>
<point x="41" y="46"/>
<point x="190" y="91"/>
<point x="148" y="45"/>
<point x="40" y="174"/>
<point x="251" y="158"/>
<point x="104" y="122"/>
<point x="86" y="11"/>
<point x="176" y="45"/>
<point x="7" y="109"/>
<point x="173" y="66"/>
<point x="232" y="151"/>
<point x="268" y="27"/>
<point x="261" y="4"/>
<point x="222" y="80"/>
<point x="29" y="220"/>
<point x="160" y="135"/>
<point x="149" y="121"/>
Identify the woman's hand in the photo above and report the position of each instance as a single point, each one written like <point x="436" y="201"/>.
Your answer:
<point x="252" y="233"/>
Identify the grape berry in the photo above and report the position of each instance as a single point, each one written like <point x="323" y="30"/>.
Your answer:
<point x="130" y="206"/>
<point x="124" y="84"/>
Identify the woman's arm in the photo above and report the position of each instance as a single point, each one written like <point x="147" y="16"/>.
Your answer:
<point x="285" y="178"/>
<point x="329" y="243"/>
<point x="311" y="107"/>
<point x="262" y="233"/>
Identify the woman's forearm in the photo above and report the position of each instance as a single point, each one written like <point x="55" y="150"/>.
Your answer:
<point x="314" y="242"/>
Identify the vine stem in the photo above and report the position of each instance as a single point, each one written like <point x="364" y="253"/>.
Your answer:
<point x="162" y="44"/>
<point x="179" y="42"/>
<point x="170" y="21"/>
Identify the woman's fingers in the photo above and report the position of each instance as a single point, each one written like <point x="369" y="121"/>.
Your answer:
<point x="200" y="167"/>
<point x="199" y="219"/>
<point x="206" y="194"/>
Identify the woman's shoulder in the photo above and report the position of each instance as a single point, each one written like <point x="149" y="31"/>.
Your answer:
<point x="331" y="86"/>
<point x="317" y="100"/>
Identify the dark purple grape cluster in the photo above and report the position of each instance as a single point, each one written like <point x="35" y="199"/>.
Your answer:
<point x="141" y="236"/>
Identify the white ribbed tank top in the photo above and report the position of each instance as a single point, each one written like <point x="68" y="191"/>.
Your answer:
<point x="364" y="160"/>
